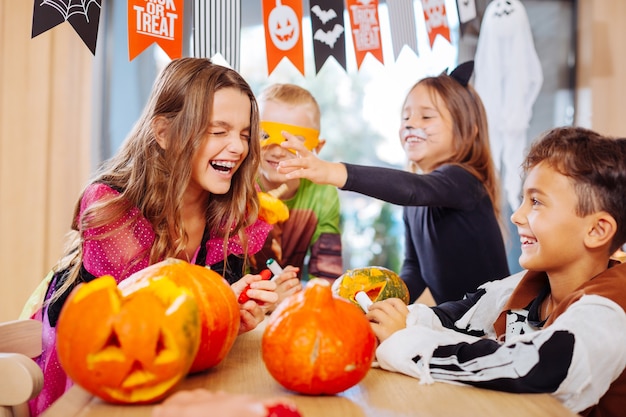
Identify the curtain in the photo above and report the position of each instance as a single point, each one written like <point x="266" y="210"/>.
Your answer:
<point x="45" y="131"/>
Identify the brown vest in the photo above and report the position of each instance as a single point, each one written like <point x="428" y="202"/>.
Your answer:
<point x="610" y="284"/>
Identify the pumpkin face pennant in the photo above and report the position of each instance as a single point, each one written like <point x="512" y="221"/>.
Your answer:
<point x="283" y="33"/>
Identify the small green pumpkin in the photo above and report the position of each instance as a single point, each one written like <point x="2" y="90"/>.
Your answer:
<point x="377" y="282"/>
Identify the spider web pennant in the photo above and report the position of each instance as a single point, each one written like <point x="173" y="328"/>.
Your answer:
<point x="83" y="15"/>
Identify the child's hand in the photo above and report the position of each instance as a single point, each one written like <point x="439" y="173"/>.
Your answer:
<point x="308" y="165"/>
<point x="287" y="283"/>
<point x="259" y="293"/>
<point x="243" y="297"/>
<point x="387" y="317"/>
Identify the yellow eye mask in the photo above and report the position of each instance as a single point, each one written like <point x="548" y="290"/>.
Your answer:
<point x="271" y="132"/>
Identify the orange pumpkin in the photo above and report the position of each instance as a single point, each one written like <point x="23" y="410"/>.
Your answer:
<point x="128" y="348"/>
<point x="315" y="343"/>
<point x="377" y="282"/>
<point x="271" y="208"/>
<point x="219" y="310"/>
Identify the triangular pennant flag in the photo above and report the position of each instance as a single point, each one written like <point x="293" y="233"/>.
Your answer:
<point x="329" y="37"/>
<point x="365" y="29"/>
<point x="155" y="21"/>
<point x="466" y="9"/>
<point x="217" y="29"/>
<point x="436" y="19"/>
<point x="283" y="33"/>
<point x="84" y="18"/>
<point x="402" y="22"/>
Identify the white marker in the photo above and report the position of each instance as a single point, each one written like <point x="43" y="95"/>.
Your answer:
<point x="273" y="266"/>
<point x="364" y="300"/>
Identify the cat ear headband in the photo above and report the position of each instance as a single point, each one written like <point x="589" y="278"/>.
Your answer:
<point x="463" y="73"/>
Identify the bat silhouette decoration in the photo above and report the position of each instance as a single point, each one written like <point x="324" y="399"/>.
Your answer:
<point x="330" y="37"/>
<point x="324" y="15"/>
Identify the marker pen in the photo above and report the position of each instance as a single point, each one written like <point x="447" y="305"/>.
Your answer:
<point x="273" y="266"/>
<point x="243" y="297"/>
<point x="364" y="300"/>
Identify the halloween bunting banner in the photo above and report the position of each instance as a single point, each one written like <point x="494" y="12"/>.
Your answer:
<point x="155" y="21"/>
<point x="217" y="29"/>
<point x="283" y="33"/>
<point x="436" y="19"/>
<point x="365" y="29"/>
<point x="217" y="24"/>
<point x="83" y="16"/>
<point x="328" y="27"/>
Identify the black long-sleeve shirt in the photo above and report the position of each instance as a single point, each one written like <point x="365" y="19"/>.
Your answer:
<point x="453" y="239"/>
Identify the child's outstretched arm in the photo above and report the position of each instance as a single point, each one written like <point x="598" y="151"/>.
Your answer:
<point x="308" y="165"/>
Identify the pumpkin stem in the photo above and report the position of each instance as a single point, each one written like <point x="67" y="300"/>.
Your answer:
<point x="318" y="294"/>
<point x="279" y="191"/>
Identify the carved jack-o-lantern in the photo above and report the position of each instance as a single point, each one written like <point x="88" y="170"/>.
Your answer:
<point x="283" y="26"/>
<point x="377" y="282"/>
<point x="128" y="347"/>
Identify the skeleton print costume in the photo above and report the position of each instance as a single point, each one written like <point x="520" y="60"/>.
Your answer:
<point x="494" y="339"/>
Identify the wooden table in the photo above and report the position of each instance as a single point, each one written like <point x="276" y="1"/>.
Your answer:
<point x="379" y="394"/>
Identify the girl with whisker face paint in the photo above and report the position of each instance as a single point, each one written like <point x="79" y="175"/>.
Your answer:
<point x="450" y="193"/>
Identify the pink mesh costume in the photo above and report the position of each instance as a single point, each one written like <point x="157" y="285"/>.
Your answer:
<point x="119" y="249"/>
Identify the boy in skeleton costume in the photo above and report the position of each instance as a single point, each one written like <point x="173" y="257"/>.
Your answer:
<point x="558" y="327"/>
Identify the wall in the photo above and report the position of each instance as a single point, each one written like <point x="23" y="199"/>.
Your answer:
<point x="45" y="110"/>
<point x="601" y="84"/>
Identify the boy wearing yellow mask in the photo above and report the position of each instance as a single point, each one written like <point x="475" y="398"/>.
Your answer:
<point x="310" y="239"/>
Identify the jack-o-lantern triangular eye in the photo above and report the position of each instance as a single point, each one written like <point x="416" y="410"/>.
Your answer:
<point x="113" y="340"/>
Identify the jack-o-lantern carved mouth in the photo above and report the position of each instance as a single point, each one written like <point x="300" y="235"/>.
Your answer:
<point x="372" y="292"/>
<point x="132" y="373"/>
<point x="283" y="35"/>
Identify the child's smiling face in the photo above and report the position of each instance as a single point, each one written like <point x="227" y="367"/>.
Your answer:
<point x="290" y="114"/>
<point x="552" y="235"/>
<point x="426" y="129"/>
<point x="226" y="144"/>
